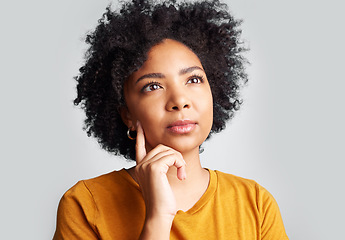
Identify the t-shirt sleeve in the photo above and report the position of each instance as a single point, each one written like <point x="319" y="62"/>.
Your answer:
<point x="272" y="226"/>
<point x="76" y="215"/>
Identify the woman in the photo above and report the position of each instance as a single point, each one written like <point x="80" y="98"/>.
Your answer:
<point x="169" y="73"/>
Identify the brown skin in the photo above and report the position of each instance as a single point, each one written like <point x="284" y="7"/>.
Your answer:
<point x="155" y="109"/>
<point x="170" y="86"/>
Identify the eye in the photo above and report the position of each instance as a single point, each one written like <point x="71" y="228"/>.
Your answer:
<point x="152" y="86"/>
<point x="195" y="79"/>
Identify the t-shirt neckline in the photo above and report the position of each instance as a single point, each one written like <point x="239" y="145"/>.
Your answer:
<point x="208" y="194"/>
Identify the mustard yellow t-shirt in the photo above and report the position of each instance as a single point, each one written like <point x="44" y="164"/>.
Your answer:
<point x="111" y="207"/>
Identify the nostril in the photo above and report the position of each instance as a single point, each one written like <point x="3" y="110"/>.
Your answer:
<point x="179" y="107"/>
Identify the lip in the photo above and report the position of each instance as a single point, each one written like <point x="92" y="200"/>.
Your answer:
<point x="182" y="126"/>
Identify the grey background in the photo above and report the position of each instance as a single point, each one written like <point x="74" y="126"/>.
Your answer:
<point x="288" y="136"/>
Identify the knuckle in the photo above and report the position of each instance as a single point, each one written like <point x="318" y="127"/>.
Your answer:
<point x="144" y="165"/>
<point x="160" y="146"/>
<point x="180" y="154"/>
<point x="152" y="166"/>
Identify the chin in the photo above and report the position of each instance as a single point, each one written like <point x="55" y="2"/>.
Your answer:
<point x="182" y="143"/>
<point x="185" y="145"/>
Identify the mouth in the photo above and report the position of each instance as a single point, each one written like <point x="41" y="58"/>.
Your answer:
<point x="182" y="126"/>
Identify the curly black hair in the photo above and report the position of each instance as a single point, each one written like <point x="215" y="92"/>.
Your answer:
<point x="119" y="46"/>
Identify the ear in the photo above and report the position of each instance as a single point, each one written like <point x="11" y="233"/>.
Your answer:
<point x="127" y="118"/>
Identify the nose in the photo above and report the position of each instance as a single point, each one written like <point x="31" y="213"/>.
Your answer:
<point x="178" y="100"/>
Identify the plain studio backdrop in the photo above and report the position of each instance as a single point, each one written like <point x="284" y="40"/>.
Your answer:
<point x="288" y="135"/>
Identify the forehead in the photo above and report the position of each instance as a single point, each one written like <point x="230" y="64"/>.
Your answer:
<point x="169" y="55"/>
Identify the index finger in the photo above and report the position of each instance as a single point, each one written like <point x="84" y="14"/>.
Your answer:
<point x="140" y="144"/>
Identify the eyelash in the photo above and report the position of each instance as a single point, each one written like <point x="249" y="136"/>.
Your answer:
<point x="152" y="83"/>
<point x="199" y="77"/>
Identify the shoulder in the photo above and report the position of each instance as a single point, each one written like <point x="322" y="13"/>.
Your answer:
<point x="113" y="182"/>
<point x="248" y="195"/>
<point x="78" y="210"/>
<point x="231" y="179"/>
<point x="230" y="182"/>
<point x="244" y="189"/>
<point x="83" y="189"/>
<point x="83" y="202"/>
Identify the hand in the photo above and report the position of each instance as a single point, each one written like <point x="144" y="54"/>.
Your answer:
<point x="150" y="172"/>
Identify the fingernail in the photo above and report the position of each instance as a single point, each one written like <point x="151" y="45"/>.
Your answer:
<point x="184" y="176"/>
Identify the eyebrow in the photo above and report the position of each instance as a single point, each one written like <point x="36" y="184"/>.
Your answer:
<point x="189" y="70"/>
<point x="150" y="75"/>
<point x="161" y="75"/>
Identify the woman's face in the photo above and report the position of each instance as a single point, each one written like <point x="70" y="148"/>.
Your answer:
<point x="171" y="97"/>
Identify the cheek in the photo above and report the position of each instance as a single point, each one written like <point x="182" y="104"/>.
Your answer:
<point x="208" y="111"/>
<point x="149" y="114"/>
<point x="208" y="103"/>
<point x="151" y="121"/>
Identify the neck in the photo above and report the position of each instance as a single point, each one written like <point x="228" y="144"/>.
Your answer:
<point x="194" y="170"/>
<point x="190" y="190"/>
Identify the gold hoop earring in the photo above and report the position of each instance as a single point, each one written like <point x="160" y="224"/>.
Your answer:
<point x="129" y="134"/>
